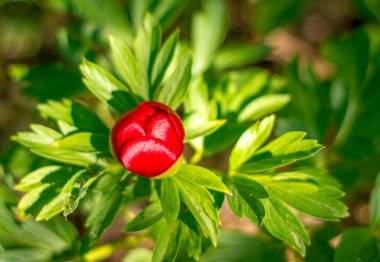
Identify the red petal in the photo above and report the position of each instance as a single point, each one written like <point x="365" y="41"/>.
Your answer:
<point x="156" y="105"/>
<point x="130" y="125"/>
<point x="160" y="126"/>
<point x="177" y="123"/>
<point x="148" y="157"/>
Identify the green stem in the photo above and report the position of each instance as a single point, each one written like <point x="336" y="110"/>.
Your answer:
<point x="347" y="124"/>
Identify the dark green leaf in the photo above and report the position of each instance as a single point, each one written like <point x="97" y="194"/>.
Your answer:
<point x="104" y="211"/>
<point x="150" y="215"/>
<point x="52" y="82"/>
<point x="251" y="192"/>
<point x="237" y="246"/>
<point x="357" y="244"/>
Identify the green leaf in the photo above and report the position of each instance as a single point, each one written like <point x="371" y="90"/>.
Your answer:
<point x="52" y="82"/>
<point x="7" y="195"/>
<point x="250" y="193"/>
<point x="74" y="114"/>
<point x="106" y="87"/>
<point x="176" y="86"/>
<point x="201" y="205"/>
<point x="203" y="177"/>
<point x="139" y="254"/>
<point x="262" y="106"/>
<point x="84" y="142"/>
<point x="105" y="210"/>
<point x="208" y="32"/>
<point x="147" y="44"/>
<point x="284" y="225"/>
<point x="357" y="244"/>
<point x="314" y="175"/>
<point x="169" y="200"/>
<point x="163" y="60"/>
<point x="127" y="66"/>
<point x="149" y="216"/>
<point x="203" y="129"/>
<point x="251" y="141"/>
<point x="282" y="151"/>
<point x="238" y="55"/>
<point x="77" y="149"/>
<point x="52" y="190"/>
<point x="250" y="248"/>
<point x="318" y="201"/>
<point x="374" y="205"/>
<point x="167" y="242"/>
<point x="281" y="13"/>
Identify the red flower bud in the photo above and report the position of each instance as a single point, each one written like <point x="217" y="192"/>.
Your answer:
<point x="148" y="140"/>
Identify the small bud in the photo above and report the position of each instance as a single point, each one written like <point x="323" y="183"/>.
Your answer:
<point x="148" y="140"/>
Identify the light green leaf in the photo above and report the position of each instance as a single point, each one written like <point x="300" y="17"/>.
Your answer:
<point x="40" y="137"/>
<point x="139" y="254"/>
<point x="202" y="177"/>
<point x="175" y="87"/>
<point x="357" y="244"/>
<point x="150" y="215"/>
<point x="284" y="225"/>
<point x="48" y="143"/>
<point x="84" y="142"/>
<point x="251" y="141"/>
<point x="238" y="55"/>
<point x="168" y="242"/>
<point x="127" y="66"/>
<point x="208" y="32"/>
<point x="147" y="44"/>
<point x="169" y="200"/>
<point x="106" y="87"/>
<point x="318" y="176"/>
<point x="318" y="201"/>
<point x="262" y="106"/>
<point x="52" y="190"/>
<point x="203" y="129"/>
<point x="163" y="60"/>
<point x="201" y="205"/>
<point x="374" y="205"/>
<point x="74" y="114"/>
<point x="282" y="151"/>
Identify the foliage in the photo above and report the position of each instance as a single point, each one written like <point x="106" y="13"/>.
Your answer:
<point x="233" y="107"/>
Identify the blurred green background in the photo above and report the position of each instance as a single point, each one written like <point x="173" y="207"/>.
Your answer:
<point x="324" y="53"/>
